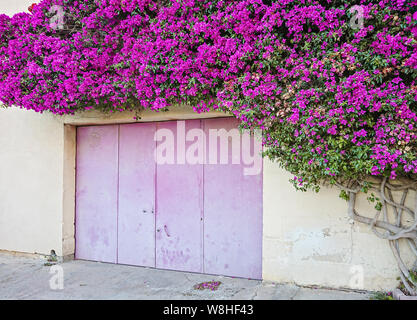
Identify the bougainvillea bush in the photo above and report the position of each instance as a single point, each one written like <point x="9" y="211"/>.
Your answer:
<point x="334" y="89"/>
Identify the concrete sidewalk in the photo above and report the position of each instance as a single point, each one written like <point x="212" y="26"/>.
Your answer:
<point x="29" y="278"/>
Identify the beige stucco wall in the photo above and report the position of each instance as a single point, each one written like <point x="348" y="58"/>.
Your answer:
<point x="308" y="238"/>
<point x="11" y="7"/>
<point x="31" y="164"/>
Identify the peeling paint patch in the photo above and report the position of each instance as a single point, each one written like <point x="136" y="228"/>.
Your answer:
<point x="337" y="257"/>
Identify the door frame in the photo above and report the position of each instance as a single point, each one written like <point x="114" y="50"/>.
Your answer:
<point x="95" y="118"/>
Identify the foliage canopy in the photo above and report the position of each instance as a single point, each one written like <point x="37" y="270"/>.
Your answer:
<point x="336" y="99"/>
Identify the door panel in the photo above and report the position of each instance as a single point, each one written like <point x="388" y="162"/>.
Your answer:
<point x="136" y="219"/>
<point x="96" y="196"/>
<point x="179" y="208"/>
<point x="232" y="211"/>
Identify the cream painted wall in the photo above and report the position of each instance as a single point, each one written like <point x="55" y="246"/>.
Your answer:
<point x="31" y="164"/>
<point x="309" y="238"/>
<point x="11" y="7"/>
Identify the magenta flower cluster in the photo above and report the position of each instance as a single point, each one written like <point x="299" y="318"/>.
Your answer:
<point x="210" y="285"/>
<point x="333" y="86"/>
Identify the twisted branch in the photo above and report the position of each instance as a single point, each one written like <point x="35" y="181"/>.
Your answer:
<point x="390" y="224"/>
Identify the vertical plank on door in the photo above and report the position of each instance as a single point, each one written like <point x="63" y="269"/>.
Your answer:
<point x="179" y="207"/>
<point x="96" y="193"/>
<point x="232" y="213"/>
<point x="136" y="235"/>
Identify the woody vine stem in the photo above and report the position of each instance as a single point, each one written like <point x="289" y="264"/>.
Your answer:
<point x="394" y="220"/>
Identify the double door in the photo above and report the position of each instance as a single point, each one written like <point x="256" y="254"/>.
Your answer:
<point x="150" y="194"/>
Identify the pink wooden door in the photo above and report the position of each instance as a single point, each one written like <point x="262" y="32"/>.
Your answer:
<point x="184" y="214"/>
<point x="136" y="216"/>
<point x="179" y="206"/>
<point x="96" y="198"/>
<point x="232" y="209"/>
